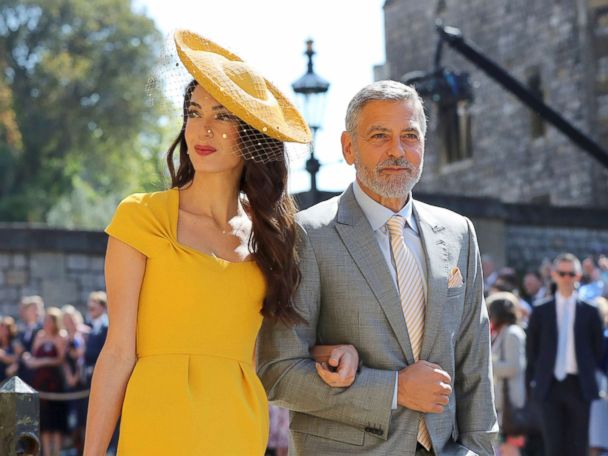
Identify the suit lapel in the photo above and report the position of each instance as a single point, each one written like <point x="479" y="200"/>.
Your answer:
<point x="358" y="238"/>
<point x="553" y="328"/>
<point x="436" y="256"/>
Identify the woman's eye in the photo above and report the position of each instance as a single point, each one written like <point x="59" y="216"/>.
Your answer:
<point x="192" y="114"/>
<point x="226" y="116"/>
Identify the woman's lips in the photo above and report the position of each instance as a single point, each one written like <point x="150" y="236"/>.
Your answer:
<point x="204" y="150"/>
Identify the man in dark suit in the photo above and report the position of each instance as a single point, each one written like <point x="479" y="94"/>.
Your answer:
<point x="564" y="348"/>
<point x="98" y="320"/>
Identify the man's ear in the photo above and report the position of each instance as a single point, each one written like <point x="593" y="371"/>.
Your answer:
<point x="347" y="147"/>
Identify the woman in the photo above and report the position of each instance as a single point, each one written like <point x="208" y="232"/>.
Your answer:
<point x="73" y="370"/>
<point x="8" y="334"/>
<point x="46" y="360"/>
<point x="191" y="271"/>
<point x="508" y="361"/>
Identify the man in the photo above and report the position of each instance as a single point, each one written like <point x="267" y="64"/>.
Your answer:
<point x="594" y="286"/>
<point x="98" y="319"/>
<point x="533" y="285"/>
<point x="399" y="280"/>
<point x="31" y="314"/>
<point x="490" y="274"/>
<point x="564" y="349"/>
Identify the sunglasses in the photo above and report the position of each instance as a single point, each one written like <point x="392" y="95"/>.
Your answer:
<point x="566" y="273"/>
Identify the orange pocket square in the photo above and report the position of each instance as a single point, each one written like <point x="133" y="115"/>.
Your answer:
<point x="455" y="278"/>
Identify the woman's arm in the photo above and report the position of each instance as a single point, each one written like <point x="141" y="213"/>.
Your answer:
<point x="514" y="360"/>
<point x="6" y="357"/>
<point x="124" y="270"/>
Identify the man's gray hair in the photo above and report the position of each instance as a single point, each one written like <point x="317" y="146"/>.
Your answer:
<point x="570" y="258"/>
<point x="383" y="90"/>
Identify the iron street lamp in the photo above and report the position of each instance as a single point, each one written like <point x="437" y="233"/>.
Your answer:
<point x="311" y="90"/>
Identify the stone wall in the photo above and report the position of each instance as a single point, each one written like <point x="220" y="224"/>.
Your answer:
<point x="566" y="43"/>
<point x="522" y="235"/>
<point x="527" y="245"/>
<point x="63" y="266"/>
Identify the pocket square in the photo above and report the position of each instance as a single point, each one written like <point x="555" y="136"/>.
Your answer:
<point x="455" y="278"/>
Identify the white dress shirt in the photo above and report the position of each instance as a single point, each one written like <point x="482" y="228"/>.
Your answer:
<point x="561" y="303"/>
<point x="378" y="215"/>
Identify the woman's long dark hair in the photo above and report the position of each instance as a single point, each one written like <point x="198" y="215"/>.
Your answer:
<point x="271" y="209"/>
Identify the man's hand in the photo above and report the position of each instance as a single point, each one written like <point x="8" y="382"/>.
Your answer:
<point x="424" y="387"/>
<point x="336" y="364"/>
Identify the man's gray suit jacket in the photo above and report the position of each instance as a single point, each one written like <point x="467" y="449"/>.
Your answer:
<point x="347" y="296"/>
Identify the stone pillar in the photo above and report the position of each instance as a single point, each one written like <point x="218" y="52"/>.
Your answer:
<point x="19" y="419"/>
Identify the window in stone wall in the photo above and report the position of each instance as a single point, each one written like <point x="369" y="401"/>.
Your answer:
<point x="535" y="85"/>
<point x="455" y="128"/>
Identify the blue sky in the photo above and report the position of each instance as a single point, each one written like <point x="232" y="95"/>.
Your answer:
<point x="271" y="35"/>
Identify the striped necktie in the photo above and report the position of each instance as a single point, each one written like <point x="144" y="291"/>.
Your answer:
<point x="411" y="291"/>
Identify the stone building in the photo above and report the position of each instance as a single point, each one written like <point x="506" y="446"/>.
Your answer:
<point x="63" y="266"/>
<point x="495" y="146"/>
<point x="530" y="191"/>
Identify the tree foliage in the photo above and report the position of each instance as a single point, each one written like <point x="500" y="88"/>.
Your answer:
<point x="74" y="112"/>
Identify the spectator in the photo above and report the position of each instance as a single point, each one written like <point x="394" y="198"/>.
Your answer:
<point x="562" y="361"/>
<point x="603" y="265"/>
<point x="278" y="439"/>
<point x="46" y="359"/>
<point x="488" y="268"/>
<point x="74" y="375"/>
<point x="508" y="362"/>
<point x="594" y="286"/>
<point x="534" y="288"/>
<point x="31" y="311"/>
<point x="598" y="421"/>
<point x="8" y="333"/>
<point x="507" y="281"/>
<point x="98" y="319"/>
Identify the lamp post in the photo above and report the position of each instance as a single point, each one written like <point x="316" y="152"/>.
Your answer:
<point x="311" y="90"/>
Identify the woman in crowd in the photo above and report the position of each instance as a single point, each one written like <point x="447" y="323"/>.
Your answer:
<point x="508" y="362"/>
<point x="8" y="334"/>
<point x="192" y="270"/>
<point x="46" y="360"/>
<point x="74" y="374"/>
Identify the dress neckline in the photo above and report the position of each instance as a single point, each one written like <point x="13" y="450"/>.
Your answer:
<point x="174" y="221"/>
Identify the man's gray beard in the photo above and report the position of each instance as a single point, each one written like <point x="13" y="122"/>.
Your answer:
<point x="390" y="186"/>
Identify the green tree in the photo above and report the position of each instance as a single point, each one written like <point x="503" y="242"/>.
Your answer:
<point x="78" y="119"/>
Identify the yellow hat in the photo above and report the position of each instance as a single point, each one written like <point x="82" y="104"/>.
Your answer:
<point x="241" y="89"/>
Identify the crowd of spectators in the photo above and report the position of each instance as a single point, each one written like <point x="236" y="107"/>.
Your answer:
<point x="55" y="349"/>
<point x="550" y="354"/>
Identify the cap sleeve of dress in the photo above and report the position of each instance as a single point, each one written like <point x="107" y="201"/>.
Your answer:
<point x="134" y="224"/>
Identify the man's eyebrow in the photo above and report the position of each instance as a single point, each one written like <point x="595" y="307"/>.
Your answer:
<point x="377" y="128"/>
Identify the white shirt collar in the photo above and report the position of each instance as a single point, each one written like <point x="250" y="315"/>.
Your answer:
<point x="100" y="321"/>
<point x="377" y="215"/>
<point x="562" y="299"/>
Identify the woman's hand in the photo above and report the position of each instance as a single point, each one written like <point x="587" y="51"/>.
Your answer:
<point x="336" y="364"/>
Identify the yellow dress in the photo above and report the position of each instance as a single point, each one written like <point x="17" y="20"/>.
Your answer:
<point x="194" y="390"/>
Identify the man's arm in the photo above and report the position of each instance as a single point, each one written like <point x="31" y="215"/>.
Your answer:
<point x="473" y="389"/>
<point x="289" y="375"/>
<point x="532" y="343"/>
